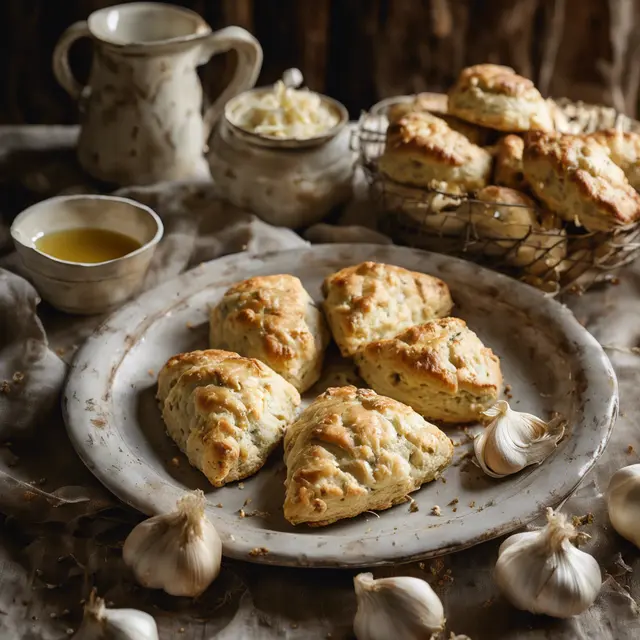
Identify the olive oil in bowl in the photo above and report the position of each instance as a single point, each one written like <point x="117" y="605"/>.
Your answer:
<point x="86" y="244"/>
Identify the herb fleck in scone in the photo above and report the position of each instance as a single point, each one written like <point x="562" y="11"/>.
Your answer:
<point x="225" y="412"/>
<point x="423" y="151"/>
<point x="440" y="368"/>
<point x="352" y="451"/>
<point x="495" y="96"/>
<point x="575" y="177"/>
<point x="274" y="319"/>
<point x="371" y="301"/>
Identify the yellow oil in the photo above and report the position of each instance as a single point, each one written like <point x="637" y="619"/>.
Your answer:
<point x="86" y="245"/>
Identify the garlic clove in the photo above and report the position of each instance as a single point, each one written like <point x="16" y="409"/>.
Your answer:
<point x="179" y="552"/>
<point x="402" y="607"/>
<point x="100" y="623"/>
<point x="623" y="502"/>
<point x="543" y="572"/>
<point x="513" y="440"/>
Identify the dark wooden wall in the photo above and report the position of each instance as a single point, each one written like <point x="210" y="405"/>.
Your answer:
<point x="361" y="50"/>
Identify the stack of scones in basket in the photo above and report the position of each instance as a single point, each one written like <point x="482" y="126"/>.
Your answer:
<point x="491" y="162"/>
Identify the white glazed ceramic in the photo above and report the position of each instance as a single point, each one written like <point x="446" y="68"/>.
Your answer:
<point x="288" y="182"/>
<point x="87" y="288"/>
<point x="551" y="362"/>
<point x="141" y="112"/>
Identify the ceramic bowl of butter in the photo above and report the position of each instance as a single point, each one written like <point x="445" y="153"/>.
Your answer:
<point x="283" y="154"/>
<point x="87" y="254"/>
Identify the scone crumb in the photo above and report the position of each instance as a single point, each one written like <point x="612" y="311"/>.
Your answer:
<point x="630" y="449"/>
<point x="258" y="551"/>
<point x="453" y="502"/>
<point x="454" y="509"/>
<point x="580" y="521"/>
<point x="151" y="372"/>
<point x="18" y="377"/>
<point x="413" y="507"/>
<point x="219" y="505"/>
<point x="472" y="504"/>
<point x="5" y="387"/>
<point x="436" y="510"/>
<point x="175" y="462"/>
<point x="421" y="565"/>
<point x="507" y="391"/>
<point x="240" y="485"/>
<point x="242" y="514"/>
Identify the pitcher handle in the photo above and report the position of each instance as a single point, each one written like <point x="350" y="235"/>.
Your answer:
<point x="246" y="73"/>
<point x="61" y="68"/>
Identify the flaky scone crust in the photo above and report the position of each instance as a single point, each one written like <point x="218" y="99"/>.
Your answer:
<point x="274" y="319"/>
<point x="225" y="412"/>
<point x="576" y="179"/>
<point x="352" y="451"/>
<point x="423" y="151"/>
<point x="496" y="96"/>
<point x="624" y="150"/>
<point x="371" y="301"/>
<point x="508" y="170"/>
<point x="440" y="368"/>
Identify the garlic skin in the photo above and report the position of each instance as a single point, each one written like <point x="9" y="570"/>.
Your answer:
<point x="100" y="623"/>
<point x="179" y="552"/>
<point x="542" y="572"/>
<point x="514" y="440"/>
<point x="623" y="502"/>
<point x="404" y="607"/>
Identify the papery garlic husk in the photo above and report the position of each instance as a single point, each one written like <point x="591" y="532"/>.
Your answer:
<point x="543" y="572"/>
<point x="514" y="440"/>
<point x="623" y="502"/>
<point x="100" y="623"/>
<point x="403" y="607"/>
<point x="179" y="552"/>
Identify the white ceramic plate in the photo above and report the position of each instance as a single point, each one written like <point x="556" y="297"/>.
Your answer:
<point x="548" y="359"/>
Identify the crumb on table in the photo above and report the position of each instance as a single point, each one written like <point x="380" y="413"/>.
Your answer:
<point x="151" y="372"/>
<point x="436" y="510"/>
<point x="630" y="449"/>
<point x="258" y="551"/>
<point x="175" y="462"/>
<point x="18" y="377"/>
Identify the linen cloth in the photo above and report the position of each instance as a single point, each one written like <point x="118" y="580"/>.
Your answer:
<point x="62" y="531"/>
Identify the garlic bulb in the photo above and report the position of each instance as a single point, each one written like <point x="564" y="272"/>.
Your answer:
<point x="514" y="440"/>
<point x="179" y="552"/>
<point x="403" y="607"/>
<point x="623" y="502"/>
<point x="542" y="572"/>
<point x="100" y="623"/>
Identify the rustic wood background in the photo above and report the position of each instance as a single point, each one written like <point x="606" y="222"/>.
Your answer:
<point x="361" y="50"/>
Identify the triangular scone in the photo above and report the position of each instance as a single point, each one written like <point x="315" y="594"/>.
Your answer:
<point x="226" y="412"/>
<point x="372" y="301"/>
<point x="352" y="451"/>
<point x="440" y="368"/>
<point x="274" y="319"/>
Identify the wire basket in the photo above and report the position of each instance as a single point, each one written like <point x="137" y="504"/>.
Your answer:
<point x="557" y="258"/>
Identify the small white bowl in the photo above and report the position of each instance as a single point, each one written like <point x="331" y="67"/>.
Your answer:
<point x="80" y="287"/>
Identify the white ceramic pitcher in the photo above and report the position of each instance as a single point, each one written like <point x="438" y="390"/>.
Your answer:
<point x="141" y="113"/>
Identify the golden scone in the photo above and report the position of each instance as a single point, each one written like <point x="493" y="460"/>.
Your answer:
<point x="423" y="151"/>
<point x="624" y="150"/>
<point x="440" y="368"/>
<point x="495" y="96"/>
<point x="435" y="212"/>
<point x="576" y="179"/>
<point x="225" y="412"/>
<point x="371" y="301"/>
<point x="352" y="451"/>
<point x="510" y="227"/>
<point x="508" y="170"/>
<point x="274" y="319"/>
<point x="436" y="104"/>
